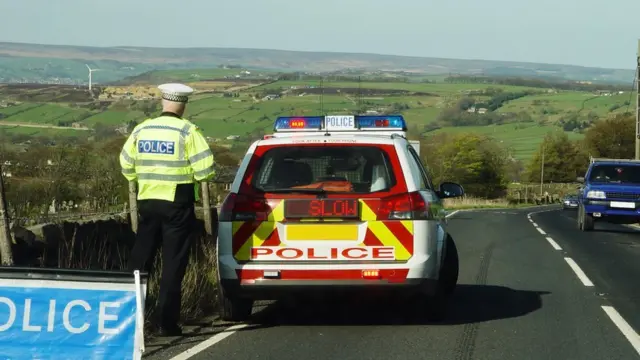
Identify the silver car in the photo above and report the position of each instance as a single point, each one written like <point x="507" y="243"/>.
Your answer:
<point x="570" y="202"/>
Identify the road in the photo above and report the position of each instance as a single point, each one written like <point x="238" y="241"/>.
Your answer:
<point x="520" y="296"/>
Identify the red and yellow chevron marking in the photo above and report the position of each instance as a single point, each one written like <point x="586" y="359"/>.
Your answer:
<point x="248" y="234"/>
<point x="398" y="234"/>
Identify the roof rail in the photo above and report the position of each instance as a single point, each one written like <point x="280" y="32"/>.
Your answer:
<point x="593" y="160"/>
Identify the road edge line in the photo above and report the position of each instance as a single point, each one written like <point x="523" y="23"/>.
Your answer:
<point x="203" y="345"/>
<point x="452" y="213"/>
<point x="578" y="271"/>
<point x="624" y="327"/>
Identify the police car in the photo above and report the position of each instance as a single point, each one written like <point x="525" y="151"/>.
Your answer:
<point x="335" y="203"/>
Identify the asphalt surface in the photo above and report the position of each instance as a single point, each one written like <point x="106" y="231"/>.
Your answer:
<point x="517" y="298"/>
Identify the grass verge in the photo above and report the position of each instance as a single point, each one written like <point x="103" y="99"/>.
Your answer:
<point x="470" y="202"/>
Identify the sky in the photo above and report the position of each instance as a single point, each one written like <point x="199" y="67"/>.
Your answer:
<point x="577" y="32"/>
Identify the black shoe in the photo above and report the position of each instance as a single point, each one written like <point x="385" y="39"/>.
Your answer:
<point x="170" y="330"/>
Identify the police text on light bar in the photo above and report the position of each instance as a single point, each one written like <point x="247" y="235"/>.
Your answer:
<point x="340" y="123"/>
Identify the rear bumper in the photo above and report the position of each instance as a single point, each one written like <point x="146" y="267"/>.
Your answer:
<point x="273" y="282"/>
<point x="268" y="289"/>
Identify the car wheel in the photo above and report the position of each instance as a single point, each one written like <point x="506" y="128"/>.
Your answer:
<point x="450" y="267"/>
<point x="437" y="305"/>
<point x="434" y="308"/>
<point x="234" y="309"/>
<point x="588" y="222"/>
<point x="585" y="221"/>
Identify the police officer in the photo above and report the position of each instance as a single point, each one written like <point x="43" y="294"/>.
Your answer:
<point x="167" y="156"/>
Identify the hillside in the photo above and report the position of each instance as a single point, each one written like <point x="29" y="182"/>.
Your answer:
<point x="65" y="64"/>
<point x="232" y="112"/>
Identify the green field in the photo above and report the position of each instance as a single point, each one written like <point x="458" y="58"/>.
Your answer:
<point x="42" y="113"/>
<point x="113" y="117"/>
<point x="555" y="105"/>
<point x="420" y="103"/>
<point x="522" y="139"/>
<point x="435" y="88"/>
<point x="31" y="131"/>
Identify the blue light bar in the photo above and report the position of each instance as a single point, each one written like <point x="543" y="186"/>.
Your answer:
<point x="298" y="123"/>
<point x="381" y="122"/>
<point x="359" y="122"/>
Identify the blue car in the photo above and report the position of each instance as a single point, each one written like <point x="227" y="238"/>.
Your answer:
<point x="611" y="193"/>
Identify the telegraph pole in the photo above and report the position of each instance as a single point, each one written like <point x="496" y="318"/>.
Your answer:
<point x="638" y="102"/>
<point x="542" y="169"/>
<point x="6" y="255"/>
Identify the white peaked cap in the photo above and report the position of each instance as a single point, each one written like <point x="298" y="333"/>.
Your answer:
<point x="176" y="92"/>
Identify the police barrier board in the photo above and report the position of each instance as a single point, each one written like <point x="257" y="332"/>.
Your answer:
<point x="71" y="314"/>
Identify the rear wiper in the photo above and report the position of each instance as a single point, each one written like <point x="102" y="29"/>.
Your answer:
<point x="294" y="191"/>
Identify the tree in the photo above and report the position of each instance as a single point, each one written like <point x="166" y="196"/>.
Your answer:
<point x="613" y="137"/>
<point x="224" y="157"/>
<point x="473" y="160"/>
<point x="563" y="159"/>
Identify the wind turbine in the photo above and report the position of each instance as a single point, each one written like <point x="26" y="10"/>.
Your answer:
<point x="90" y="72"/>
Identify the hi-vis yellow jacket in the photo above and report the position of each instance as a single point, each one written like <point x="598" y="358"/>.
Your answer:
<point x="163" y="152"/>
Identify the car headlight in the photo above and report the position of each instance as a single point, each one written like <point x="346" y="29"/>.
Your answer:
<point x="596" y="194"/>
<point x="567" y="202"/>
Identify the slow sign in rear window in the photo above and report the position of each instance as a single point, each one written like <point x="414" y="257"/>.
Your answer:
<point x="327" y="208"/>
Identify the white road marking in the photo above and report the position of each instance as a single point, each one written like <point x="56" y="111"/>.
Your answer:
<point x="541" y="231"/>
<point x="534" y="224"/>
<point x="553" y="243"/>
<point x="209" y="342"/>
<point x="451" y="214"/>
<point x="624" y="327"/>
<point x="576" y="269"/>
<point x="531" y="220"/>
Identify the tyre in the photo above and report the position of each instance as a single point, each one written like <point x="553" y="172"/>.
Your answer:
<point x="579" y="218"/>
<point x="435" y="307"/>
<point x="234" y="309"/>
<point x="430" y="308"/>
<point x="585" y="221"/>
<point x="450" y="267"/>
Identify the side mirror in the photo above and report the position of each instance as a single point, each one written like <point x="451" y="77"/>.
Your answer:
<point x="580" y="179"/>
<point x="450" y="190"/>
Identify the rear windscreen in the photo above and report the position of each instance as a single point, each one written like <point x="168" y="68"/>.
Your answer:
<point x="615" y="174"/>
<point x="350" y="169"/>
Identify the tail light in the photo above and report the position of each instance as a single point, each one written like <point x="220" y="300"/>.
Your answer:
<point x="408" y="206"/>
<point x="240" y="207"/>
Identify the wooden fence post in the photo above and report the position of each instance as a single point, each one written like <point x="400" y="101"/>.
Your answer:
<point x="206" y="208"/>
<point x="133" y="205"/>
<point x="6" y="253"/>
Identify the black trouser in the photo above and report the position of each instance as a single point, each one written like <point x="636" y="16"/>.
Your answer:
<point x="170" y="225"/>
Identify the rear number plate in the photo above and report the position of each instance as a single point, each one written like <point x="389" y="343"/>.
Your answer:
<point x="327" y="208"/>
